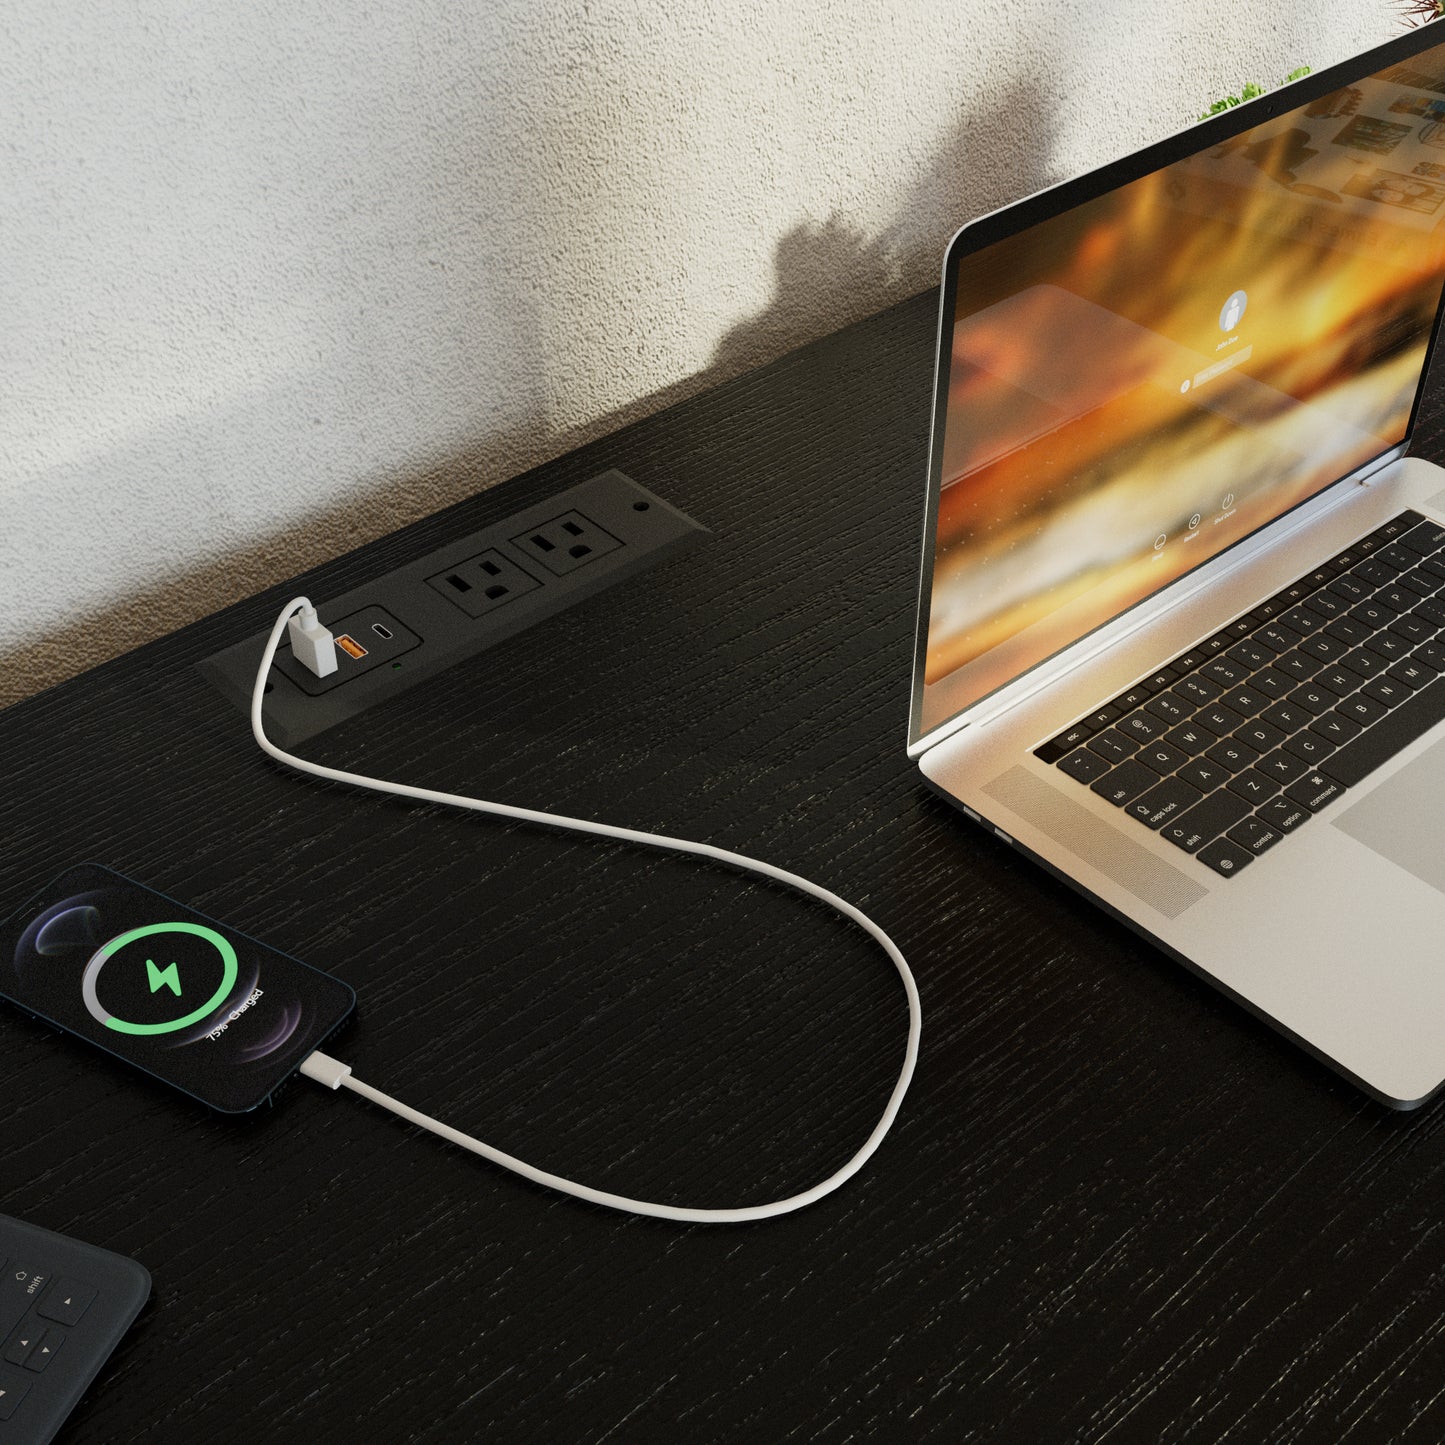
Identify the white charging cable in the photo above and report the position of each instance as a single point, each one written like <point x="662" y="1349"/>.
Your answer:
<point x="333" y="1074"/>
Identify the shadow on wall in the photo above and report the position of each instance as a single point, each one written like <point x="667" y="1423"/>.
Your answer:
<point x="829" y="274"/>
<point x="826" y="275"/>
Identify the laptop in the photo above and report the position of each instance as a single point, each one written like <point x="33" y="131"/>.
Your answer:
<point x="1181" y="630"/>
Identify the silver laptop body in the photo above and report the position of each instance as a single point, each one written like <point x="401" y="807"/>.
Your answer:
<point x="1166" y="393"/>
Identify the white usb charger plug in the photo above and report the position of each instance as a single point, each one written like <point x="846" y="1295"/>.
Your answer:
<point x="312" y="645"/>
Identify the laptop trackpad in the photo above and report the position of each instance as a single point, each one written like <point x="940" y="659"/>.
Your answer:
<point x="1404" y="818"/>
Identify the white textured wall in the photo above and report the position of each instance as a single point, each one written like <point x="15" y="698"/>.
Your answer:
<point x="278" y="277"/>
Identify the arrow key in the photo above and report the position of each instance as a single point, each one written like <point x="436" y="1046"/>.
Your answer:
<point x="13" y="1389"/>
<point x="45" y="1350"/>
<point x="22" y="1342"/>
<point x="65" y="1301"/>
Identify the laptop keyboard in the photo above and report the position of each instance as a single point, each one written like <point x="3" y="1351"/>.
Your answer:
<point x="1244" y="737"/>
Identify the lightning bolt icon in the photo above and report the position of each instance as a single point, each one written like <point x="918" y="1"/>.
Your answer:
<point x="168" y="977"/>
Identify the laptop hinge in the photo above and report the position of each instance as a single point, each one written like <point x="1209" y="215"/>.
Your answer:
<point x="1177" y="593"/>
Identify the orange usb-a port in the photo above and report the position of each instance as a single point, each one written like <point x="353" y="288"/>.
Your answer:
<point x="351" y="647"/>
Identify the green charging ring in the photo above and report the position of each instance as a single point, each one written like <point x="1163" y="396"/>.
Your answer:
<point x="229" y="965"/>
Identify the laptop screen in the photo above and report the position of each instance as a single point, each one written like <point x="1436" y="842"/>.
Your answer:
<point x="1133" y="384"/>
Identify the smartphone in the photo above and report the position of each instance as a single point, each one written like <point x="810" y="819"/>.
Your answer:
<point x="186" y="999"/>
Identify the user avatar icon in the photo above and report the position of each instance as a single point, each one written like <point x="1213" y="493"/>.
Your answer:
<point x="1233" y="311"/>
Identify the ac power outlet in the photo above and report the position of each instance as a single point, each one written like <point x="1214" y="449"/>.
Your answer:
<point x="566" y="543"/>
<point x="460" y="599"/>
<point x="483" y="583"/>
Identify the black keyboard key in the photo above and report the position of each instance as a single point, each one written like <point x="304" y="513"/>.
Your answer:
<point x="1250" y="654"/>
<point x="1189" y="738"/>
<point x="1288" y="717"/>
<point x="1398" y="599"/>
<point x="13" y="1389"/>
<point x="1350" y="629"/>
<point x="1387" y="690"/>
<point x="1072" y="737"/>
<point x="1407" y="521"/>
<point x="1168" y="708"/>
<point x="1200" y="689"/>
<point x="1304" y="620"/>
<point x="1431" y="655"/>
<point x="1212" y="646"/>
<point x="1084" y="766"/>
<point x="1112" y="745"/>
<point x="1125" y="783"/>
<point x="1363" y="662"/>
<point x="1220" y="720"/>
<point x="1168" y="800"/>
<point x="1128" y="701"/>
<point x="1374" y="572"/>
<point x="1245" y="700"/>
<point x="1337" y="680"/>
<point x="1224" y="857"/>
<point x="1336" y="728"/>
<point x="65" y="1301"/>
<point x="1298" y="665"/>
<point x="1284" y="813"/>
<point x="1260" y="735"/>
<point x="1292" y="595"/>
<point x="1190" y="660"/>
<point x="1103" y="717"/>
<point x="1314" y="791"/>
<point x="1418" y="581"/>
<point x="1254" y="835"/>
<point x="1413" y="629"/>
<point x="1205" y="820"/>
<point x="1329" y="604"/>
<point x="1253" y="786"/>
<point x="1370" y="614"/>
<point x="1277" y="638"/>
<point x="1396" y="730"/>
<point x="1352" y="589"/>
<point x="1411" y="673"/>
<point x="1233" y="755"/>
<point x="1274" y="685"/>
<point x="1426" y="538"/>
<point x="1310" y="747"/>
<point x="1313" y="698"/>
<point x="1157" y="681"/>
<point x="1432" y="610"/>
<point x="1397" y="557"/>
<point x="1361" y="709"/>
<point x="1224" y="670"/>
<point x="1324" y="647"/>
<point x="1142" y="726"/>
<point x="1435" y="566"/>
<point x="1204" y="774"/>
<point x="1240" y="627"/>
<point x="1161" y="757"/>
<point x="1283" y="767"/>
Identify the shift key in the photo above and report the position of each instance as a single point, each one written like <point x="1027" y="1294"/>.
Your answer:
<point x="1206" y="820"/>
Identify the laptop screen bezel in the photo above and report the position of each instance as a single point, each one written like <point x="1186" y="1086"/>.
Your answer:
<point x="1043" y="205"/>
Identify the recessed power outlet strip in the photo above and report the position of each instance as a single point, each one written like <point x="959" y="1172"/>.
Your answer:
<point x="415" y="622"/>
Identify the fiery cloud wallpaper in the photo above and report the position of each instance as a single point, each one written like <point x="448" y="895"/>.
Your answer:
<point x="1140" y="382"/>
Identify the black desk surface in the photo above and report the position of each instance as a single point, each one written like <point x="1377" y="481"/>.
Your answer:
<point x="1114" y="1207"/>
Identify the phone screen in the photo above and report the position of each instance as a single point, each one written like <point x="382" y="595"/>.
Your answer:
<point x="189" y="1000"/>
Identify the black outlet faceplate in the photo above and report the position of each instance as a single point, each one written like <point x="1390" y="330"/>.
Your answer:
<point x="438" y="623"/>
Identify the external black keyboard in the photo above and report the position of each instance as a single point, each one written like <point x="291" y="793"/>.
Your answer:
<point x="1245" y="736"/>
<point x="64" y="1306"/>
